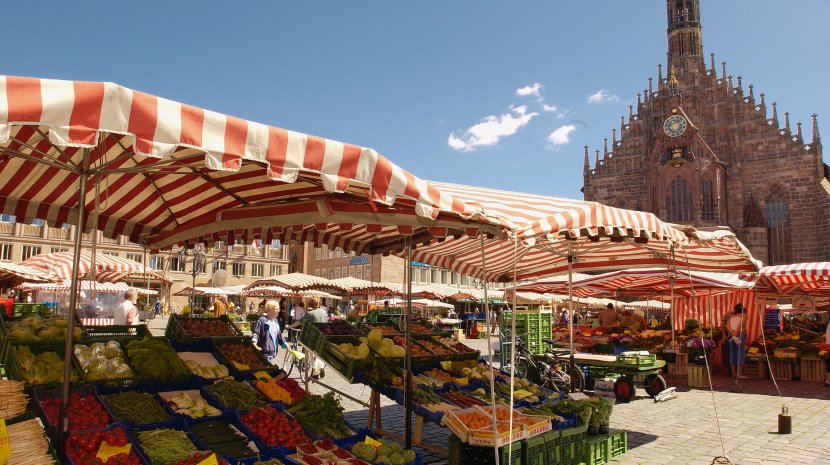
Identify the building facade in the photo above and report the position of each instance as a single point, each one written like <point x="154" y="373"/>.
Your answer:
<point x="243" y="263"/>
<point x="703" y="149"/>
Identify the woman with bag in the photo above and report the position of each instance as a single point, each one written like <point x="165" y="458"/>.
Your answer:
<point x="737" y="341"/>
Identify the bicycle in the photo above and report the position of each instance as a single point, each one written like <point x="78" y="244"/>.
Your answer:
<point x="551" y="369"/>
<point x="289" y="361"/>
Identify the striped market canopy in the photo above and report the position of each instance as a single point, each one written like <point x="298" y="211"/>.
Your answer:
<point x="210" y="291"/>
<point x="297" y="282"/>
<point x="166" y="173"/>
<point x="363" y="287"/>
<point x="108" y="267"/>
<point x="646" y="281"/>
<point x="16" y="272"/>
<point x="266" y="291"/>
<point x="797" y="278"/>
<point x="600" y="239"/>
<point x="87" y="286"/>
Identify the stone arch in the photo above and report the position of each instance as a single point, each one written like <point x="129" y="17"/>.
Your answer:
<point x="777" y="215"/>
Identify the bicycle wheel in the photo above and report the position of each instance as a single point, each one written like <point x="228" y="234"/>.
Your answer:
<point x="522" y="367"/>
<point x="562" y="374"/>
<point x="287" y="363"/>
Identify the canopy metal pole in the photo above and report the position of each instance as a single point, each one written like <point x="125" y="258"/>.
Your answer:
<point x="512" y="338"/>
<point x="408" y="378"/>
<point x="570" y="309"/>
<point x="490" y="348"/>
<point x="63" y="424"/>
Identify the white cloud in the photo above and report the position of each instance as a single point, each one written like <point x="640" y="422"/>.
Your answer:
<point x="532" y="90"/>
<point x="602" y="96"/>
<point x="491" y="130"/>
<point x="561" y="135"/>
<point x="549" y="108"/>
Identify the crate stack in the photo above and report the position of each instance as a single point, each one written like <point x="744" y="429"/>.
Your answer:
<point x="532" y="326"/>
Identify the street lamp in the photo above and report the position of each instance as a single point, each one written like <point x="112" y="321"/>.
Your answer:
<point x="198" y="267"/>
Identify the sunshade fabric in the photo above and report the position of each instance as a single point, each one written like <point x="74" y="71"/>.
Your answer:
<point x="87" y="286"/>
<point x="210" y="291"/>
<point x="796" y="278"/>
<point x="18" y="272"/>
<point x="297" y="282"/>
<point x="180" y="173"/>
<point x="362" y="286"/>
<point x="602" y="238"/>
<point x="646" y="281"/>
<point x="108" y="267"/>
<point x="710" y="309"/>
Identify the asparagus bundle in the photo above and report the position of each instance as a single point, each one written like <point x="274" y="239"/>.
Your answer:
<point x="29" y="446"/>
<point x="12" y="399"/>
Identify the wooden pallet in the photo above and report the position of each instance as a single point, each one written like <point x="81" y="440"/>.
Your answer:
<point x="813" y="369"/>
<point x="698" y="376"/>
<point x="782" y="369"/>
<point x="755" y="369"/>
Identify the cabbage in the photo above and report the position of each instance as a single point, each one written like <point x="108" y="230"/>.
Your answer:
<point x="397" y="351"/>
<point x="362" y="351"/>
<point x="98" y="349"/>
<point x="112" y="350"/>
<point x="386" y="342"/>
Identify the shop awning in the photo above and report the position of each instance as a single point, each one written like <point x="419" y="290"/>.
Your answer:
<point x="796" y="278"/>
<point x="297" y="282"/>
<point x="108" y="267"/>
<point x="18" y="272"/>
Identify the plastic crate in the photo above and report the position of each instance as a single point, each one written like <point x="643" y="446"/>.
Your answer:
<point x="569" y="446"/>
<point x="28" y="416"/>
<point x="130" y="439"/>
<point x="601" y="449"/>
<point x="6" y="340"/>
<point x="245" y="340"/>
<point x="534" y="451"/>
<point x="14" y="370"/>
<point x="177" y="423"/>
<point x="114" y="382"/>
<point x="232" y="419"/>
<point x="175" y="330"/>
<point x="637" y="360"/>
<point x="117" y="332"/>
<point x="40" y="395"/>
<point x="312" y="337"/>
<point x="465" y="454"/>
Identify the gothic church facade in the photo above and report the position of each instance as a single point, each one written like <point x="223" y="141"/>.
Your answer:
<point x="700" y="148"/>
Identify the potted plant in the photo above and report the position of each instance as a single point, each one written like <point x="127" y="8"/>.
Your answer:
<point x="699" y="349"/>
<point x="600" y="415"/>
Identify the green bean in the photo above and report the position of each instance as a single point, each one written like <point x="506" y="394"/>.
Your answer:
<point x="232" y="393"/>
<point x="166" y="445"/>
<point x="138" y="407"/>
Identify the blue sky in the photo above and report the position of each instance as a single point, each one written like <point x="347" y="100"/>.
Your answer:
<point x="485" y="93"/>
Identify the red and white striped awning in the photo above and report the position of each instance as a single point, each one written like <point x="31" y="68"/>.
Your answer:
<point x="87" y="286"/>
<point x="108" y="267"/>
<point x="168" y="173"/>
<point x="601" y="238"/>
<point x="357" y="286"/>
<point x="797" y="278"/>
<point x="210" y="291"/>
<point x="645" y="281"/>
<point x="709" y="310"/>
<point x="298" y="282"/>
<point x="16" y="272"/>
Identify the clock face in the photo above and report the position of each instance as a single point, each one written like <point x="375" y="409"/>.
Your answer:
<point x="674" y="126"/>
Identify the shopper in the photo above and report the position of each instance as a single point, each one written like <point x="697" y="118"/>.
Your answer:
<point x="157" y="308"/>
<point x="827" y="341"/>
<point x="299" y="311"/>
<point x="737" y="341"/>
<point x="563" y="319"/>
<point x="127" y="313"/>
<point x="609" y="316"/>
<point x="267" y="334"/>
<point x="317" y="314"/>
<point x="219" y="306"/>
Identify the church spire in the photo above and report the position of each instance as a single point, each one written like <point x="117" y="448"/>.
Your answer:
<point x="684" y="35"/>
<point x="816" y="136"/>
<point x="586" y="164"/>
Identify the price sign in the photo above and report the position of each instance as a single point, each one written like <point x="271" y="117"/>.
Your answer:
<point x="752" y="350"/>
<point x="209" y="460"/>
<point x="106" y="451"/>
<point x="5" y="444"/>
<point x="371" y="442"/>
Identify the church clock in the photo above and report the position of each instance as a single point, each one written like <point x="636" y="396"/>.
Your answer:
<point x="674" y="126"/>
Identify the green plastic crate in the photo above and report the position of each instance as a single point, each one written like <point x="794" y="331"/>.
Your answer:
<point x="176" y="332"/>
<point x="638" y="360"/>
<point x="571" y="445"/>
<point x="534" y="451"/>
<point x="312" y="337"/>
<point x="461" y="453"/>
<point x="601" y="449"/>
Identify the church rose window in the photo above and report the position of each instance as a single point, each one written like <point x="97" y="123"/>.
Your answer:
<point x="707" y="200"/>
<point x="776" y="212"/>
<point x="679" y="202"/>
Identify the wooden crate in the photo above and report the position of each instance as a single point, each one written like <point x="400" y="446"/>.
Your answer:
<point x="755" y="369"/>
<point x="782" y="369"/>
<point x="698" y="376"/>
<point x="813" y="369"/>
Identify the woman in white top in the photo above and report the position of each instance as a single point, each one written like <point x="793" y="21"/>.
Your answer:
<point x="736" y="327"/>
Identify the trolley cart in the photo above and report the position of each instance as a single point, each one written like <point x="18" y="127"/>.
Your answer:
<point x="628" y="368"/>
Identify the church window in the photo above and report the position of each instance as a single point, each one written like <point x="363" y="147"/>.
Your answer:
<point x="776" y="212"/>
<point x="679" y="202"/>
<point x="707" y="200"/>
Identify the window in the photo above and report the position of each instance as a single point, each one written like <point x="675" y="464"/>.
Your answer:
<point x="443" y="276"/>
<point x="367" y="272"/>
<point x="219" y="265"/>
<point x="30" y="251"/>
<point x="344" y="272"/>
<point x="776" y="212"/>
<point x="336" y="273"/>
<point x="324" y="273"/>
<point x="351" y="271"/>
<point x="453" y="277"/>
<point x="423" y="272"/>
<point x="276" y="244"/>
<point x="156" y="262"/>
<point x="58" y="249"/>
<point x="679" y="203"/>
<point x="37" y="222"/>
<point x="136" y="257"/>
<point x="6" y="252"/>
<point x="707" y="200"/>
<point x="318" y="252"/>
<point x="219" y="246"/>
<point x="176" y="264"/>
<point x="238" y="269"/>
<point x="463" y="279"/>
<point x="276" y="270"/>
<point x="317" y="272"/>
<point x="112" y="254"/>
<point x="257" y="270"/>
<point x="7" y="218"/>
<point x="331" y="254"/>
<point x="433" y="275"/>
<point x="358" y="272"/>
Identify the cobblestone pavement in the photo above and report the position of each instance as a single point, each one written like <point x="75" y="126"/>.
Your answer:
<point x="678" y="431"/>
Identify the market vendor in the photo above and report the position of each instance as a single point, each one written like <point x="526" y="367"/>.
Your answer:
<point x="633" y="322"/>
<point x="266" y="333"/>
<point x="609" y="316"/>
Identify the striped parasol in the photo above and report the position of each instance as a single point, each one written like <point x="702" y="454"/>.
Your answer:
<point x="18" y="272"/>
<point x="796" y="278"/>
<point x="108" y="267"/>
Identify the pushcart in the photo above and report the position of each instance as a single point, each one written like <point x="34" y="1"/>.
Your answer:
<point x="628" y="369"/>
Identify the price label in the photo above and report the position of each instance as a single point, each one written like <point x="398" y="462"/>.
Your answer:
<point x="371" y="442"/>
<point x="446" y="364"/>
<point x="752" y="350"/>
<point x="106" y="451"/>
<point x="5" y="444"/>
<point x="209" y="460"/>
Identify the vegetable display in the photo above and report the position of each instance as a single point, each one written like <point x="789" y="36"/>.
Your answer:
<point x="224" y="438"/>
<point x="234" y="394"/>
<point x="37" y="328"/>
<point x="102" y="361"/>
<point x="156" y="359"/>
<point x="286" y="390"/>
<point x="30" y="445"/>
<point x="189" y="403"/>
<point x="321" y="415"/>
<point x="198" y="457"/>
<point x="387" y="452"/>
<point x="275" y="428"/>
<point x="203" y="327"/>
<point x="243" y="356"/>
<point x="137" y="407"/>
<point x="82" y="412"/>
<point x="338" y="328"/>
<point x="43" y="368"/>
<point x="83" y="447"/>
<point x="165" y="445"/>
<point x="12" y="399"/>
